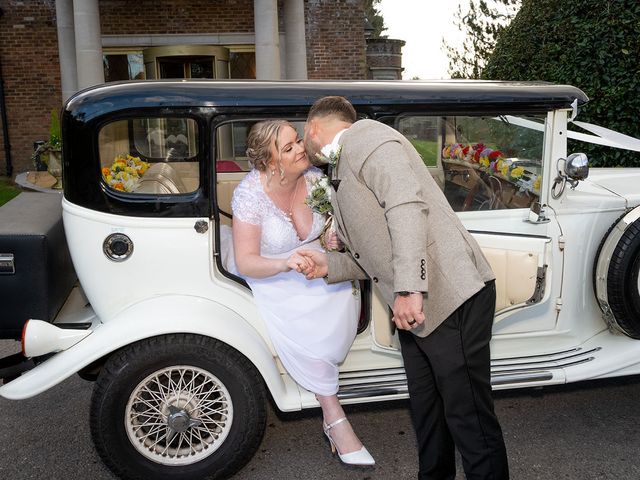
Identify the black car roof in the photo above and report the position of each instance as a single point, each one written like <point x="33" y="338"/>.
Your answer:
<point x="440" y="95"/>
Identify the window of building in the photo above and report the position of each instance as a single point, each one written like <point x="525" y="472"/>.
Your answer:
<point x="242" y="64"/>
<point x="123" y="65"/>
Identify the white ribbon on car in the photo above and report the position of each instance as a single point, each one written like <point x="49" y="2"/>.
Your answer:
<point x="603" y="136"/>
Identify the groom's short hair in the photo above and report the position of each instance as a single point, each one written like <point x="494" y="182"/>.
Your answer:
<point x="336" y="106"/>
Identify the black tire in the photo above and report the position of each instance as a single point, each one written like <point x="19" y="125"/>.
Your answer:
<point x="623" y="293"/>
<point x="121" y="418"/>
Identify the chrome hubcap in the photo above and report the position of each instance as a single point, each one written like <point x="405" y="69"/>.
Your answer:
<point x="178" y="415"/>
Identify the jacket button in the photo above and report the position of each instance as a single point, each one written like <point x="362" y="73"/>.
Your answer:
<point x="375" y="279"/>
<point x="356" y="256"/>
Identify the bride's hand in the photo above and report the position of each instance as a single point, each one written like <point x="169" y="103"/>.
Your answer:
<point x="318" y="266"/>
<point x="298" y="263"/>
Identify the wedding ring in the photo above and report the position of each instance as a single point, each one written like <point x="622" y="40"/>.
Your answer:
<point x="412" y="322"/>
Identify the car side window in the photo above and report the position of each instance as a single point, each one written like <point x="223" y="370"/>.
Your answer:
<point x="150" y="155"/>
<point x="231" y="145"/>
<point x="480" y="162"/>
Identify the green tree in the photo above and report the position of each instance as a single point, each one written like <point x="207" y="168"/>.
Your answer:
<point x="481" y="23"/>
<point x="374" y="17"/>
<point x="592" y="44"/>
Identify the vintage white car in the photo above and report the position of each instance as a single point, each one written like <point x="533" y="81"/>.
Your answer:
<point x="180" y="356"/>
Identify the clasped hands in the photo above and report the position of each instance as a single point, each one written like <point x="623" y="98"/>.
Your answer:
<point x="407" y="311"/>
<point x="311" y="263"/>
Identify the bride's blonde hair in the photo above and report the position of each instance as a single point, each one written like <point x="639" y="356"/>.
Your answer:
<point x="259" y="144"/>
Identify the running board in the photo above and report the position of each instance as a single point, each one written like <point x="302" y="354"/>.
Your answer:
<point x="516" y="372"/>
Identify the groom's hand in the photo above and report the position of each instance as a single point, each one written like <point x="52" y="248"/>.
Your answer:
<point x="316" y="265"/>
<point x="407" y="311"/>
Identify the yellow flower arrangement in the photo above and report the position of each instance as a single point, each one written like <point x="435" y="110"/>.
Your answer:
<point x="125" y="172"/>
<point x="517" y="172"/>
<point x="536" y="184"/>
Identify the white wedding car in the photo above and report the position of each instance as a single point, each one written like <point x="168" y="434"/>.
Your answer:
<point x="181" y="359"/>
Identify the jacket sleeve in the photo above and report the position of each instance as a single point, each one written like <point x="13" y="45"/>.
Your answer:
<point x="343" y="267"/>
<point x="388" y="173"/>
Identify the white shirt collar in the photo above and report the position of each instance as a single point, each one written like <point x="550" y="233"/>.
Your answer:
<point x="332" y="147"/>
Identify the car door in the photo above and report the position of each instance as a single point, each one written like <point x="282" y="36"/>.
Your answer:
<point x="491" y="170"/>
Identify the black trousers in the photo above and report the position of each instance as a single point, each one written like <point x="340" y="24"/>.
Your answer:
<point x="449" y="380"/>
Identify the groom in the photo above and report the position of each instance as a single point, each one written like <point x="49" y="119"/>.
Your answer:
<point x="400" y="231"/>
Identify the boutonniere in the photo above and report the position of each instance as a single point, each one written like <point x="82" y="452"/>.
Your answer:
<point x="319" y="197"/>
<point x="330" y="155"/>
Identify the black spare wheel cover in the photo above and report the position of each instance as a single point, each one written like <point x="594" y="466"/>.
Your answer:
<point x="616" y="274"/>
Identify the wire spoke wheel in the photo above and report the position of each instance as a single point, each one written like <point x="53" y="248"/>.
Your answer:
<point x="177" y="407"/>
<point x="178" y="415"/>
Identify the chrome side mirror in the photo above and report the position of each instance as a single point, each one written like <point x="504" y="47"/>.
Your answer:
<point x="577" y="166"/>
<point x="574" y="168"/>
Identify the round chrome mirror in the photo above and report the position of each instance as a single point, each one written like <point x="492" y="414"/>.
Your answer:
<point x="577" y="166"/>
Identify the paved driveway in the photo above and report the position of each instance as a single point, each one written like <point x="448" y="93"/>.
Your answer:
<point x="586" y="431"/>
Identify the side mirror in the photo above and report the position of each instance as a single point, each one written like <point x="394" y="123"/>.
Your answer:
<point x="575" y="168"/>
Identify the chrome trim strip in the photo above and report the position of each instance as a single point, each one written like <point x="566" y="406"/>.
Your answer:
<point x="521" y="378"/>
<point x="392" y="381"/>
<point x="531" y="358"/>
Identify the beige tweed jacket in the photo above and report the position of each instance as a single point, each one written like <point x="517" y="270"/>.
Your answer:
<point x="398" y="226"/>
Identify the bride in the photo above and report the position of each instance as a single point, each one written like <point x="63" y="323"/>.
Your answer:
<point x="312" y="324"/>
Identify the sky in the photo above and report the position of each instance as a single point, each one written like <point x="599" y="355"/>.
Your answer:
<point x="422" y="24"/>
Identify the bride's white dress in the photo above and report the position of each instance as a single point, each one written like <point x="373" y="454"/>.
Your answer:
<point x="312" y="324"/>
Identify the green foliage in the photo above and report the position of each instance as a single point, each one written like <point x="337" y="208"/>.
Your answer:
<point x="55" y="136"/>
<point x="54" y="143"/>
<point x="374" y="18"/>
<point x="482" y="24"/>
<point x="7" y="190"/>
<point x="592" y="44"/>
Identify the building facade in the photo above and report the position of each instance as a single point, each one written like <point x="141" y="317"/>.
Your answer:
<point x="51" y="49"/>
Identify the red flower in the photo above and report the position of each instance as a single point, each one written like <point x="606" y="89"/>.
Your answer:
<point x="495" y="154"/>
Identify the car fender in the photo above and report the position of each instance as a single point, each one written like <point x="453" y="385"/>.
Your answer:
<point x="154" y="317"/>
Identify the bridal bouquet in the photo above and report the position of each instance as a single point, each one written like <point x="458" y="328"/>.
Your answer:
<point x="319" y="201"/>
<point x="125" y="172"/>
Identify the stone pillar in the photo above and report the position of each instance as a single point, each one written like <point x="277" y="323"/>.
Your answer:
<point x="265" y="15"/>
<point x="384" y="59"/>
<point x="295" y="42"/>
<point x="86" y="17"/>
<point x="66" y="48"/>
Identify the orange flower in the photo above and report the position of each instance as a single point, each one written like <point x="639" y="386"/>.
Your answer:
<point x="119" y="186"/>
<point x="105" y="171"/>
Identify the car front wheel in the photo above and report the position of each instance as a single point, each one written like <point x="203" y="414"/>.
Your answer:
<point x="177" y="407"/>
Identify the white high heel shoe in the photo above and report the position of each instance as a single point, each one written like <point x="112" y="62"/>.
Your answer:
<point x="359" y="457"/>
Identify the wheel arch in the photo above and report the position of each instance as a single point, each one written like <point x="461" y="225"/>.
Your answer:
<point x="156" y="317"/>
<point x="615" y="248"/>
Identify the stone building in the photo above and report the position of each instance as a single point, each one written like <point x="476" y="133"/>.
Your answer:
<point x="52" y="48"/>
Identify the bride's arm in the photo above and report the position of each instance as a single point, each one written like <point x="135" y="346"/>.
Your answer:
<point x="249" y="262"/>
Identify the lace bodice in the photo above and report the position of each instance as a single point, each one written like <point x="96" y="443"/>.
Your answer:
<point x="251" y="204"/>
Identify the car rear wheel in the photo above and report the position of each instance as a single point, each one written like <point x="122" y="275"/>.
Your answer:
<point x="617" y="275"/>
<point x="177" y="407"/>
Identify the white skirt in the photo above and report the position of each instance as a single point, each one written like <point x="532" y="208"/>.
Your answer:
<point x="312" y="324"/>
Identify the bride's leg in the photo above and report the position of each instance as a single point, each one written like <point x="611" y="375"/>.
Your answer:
<point x="342" y="434"/>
